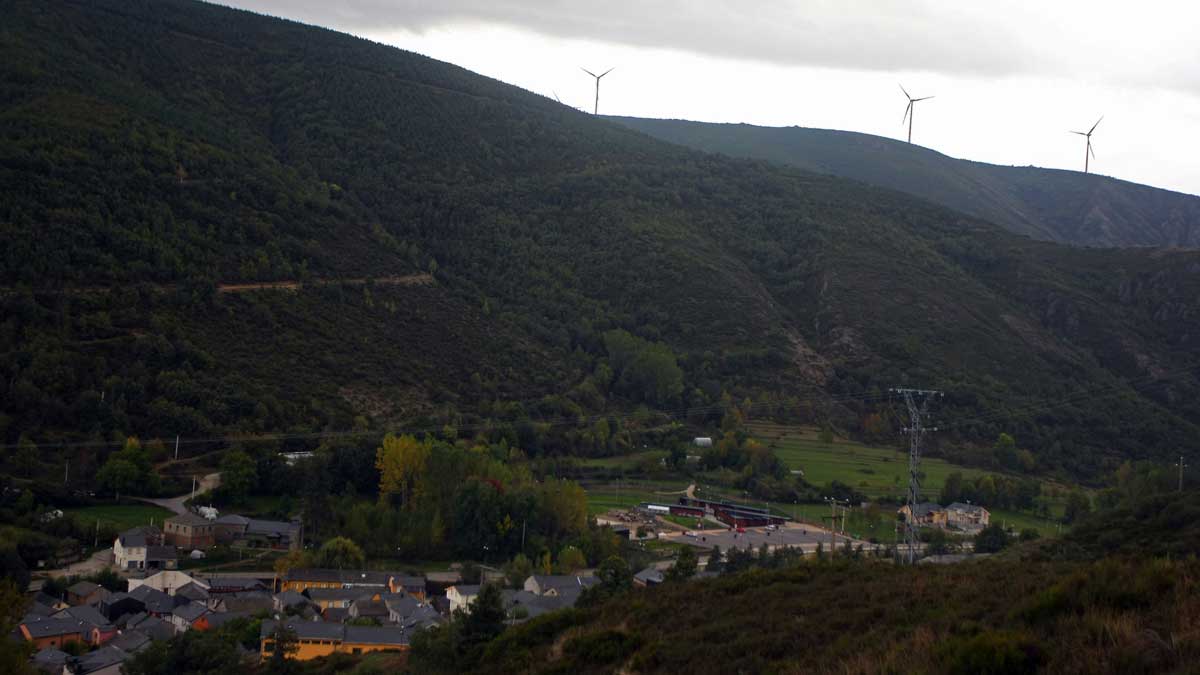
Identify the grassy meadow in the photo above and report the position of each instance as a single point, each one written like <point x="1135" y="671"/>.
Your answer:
<point x="120" y="516"/>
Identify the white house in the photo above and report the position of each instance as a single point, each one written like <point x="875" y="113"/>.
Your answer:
<point x="461" y="596"/>
<point x="967" y="517"/>
<point x="129" y="548"/>
<point x="167" y="581"/>
<point x="558" y="584"/>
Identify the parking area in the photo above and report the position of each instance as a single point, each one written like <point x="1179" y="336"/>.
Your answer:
<point x="792" y="534"/>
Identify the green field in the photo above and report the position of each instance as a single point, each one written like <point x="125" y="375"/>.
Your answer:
<point x="628" y="493"/>
<point x="631" y="461"/>
<point x="122" y="516"/>
<point x="876" y="472"/>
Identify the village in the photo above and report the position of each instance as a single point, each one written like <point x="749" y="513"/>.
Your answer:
<point x="91" y="629"/>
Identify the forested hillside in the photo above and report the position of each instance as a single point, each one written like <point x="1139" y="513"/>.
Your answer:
<point x="151" y="151"/>
<point x="1068" y="207"/>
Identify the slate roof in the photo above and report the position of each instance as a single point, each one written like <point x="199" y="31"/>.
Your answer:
<point x="412" y="583"/>
<point x="352" y="577"/>
<point x="333" y="594"/>
<point x="189" y="518"/>
<point x="41" y="611"/>
<point x="128" y="621"/>
<point x="218" y="619"/>
<point x="155" y="600"/>
<point x="232" y="584"/>
<point x="650" y="575"/>
<point x="100" y="659"/>
<point x="161" y="553"/>
<point x="272" y="528"/>
<point x="138" y="536"/>
<point x="45" y="599"/>
<point x="375" y="635"/>
<point x="232" y="519"/>
<point x="251" y="601"/>
<point x="131" y="641"/>
<point x="967" y="508"/>
<point x="50" y="660"/>
<point x="192" y="591"/>
<point x="561" y="581"/>
<point x="367" y="606"/>
<point x="467" y="590"/>
<point x="533" y="603"/>
<point x="402" y="604"/>
<point x="310" y="630"/>
<point x="84" y="613"/>
<point x="191" y="611"/>
<point x="291" y="599"/>
<point x="56" y="626"/>
<point x="926" y="509"/>
<point x="119" y="605"/>
<point x="423" y="616"/>
<point x="154" y="627"/>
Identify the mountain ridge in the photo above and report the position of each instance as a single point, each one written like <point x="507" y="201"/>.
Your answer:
<point x="582" y="268"/>
<point x="1113" y="212"/>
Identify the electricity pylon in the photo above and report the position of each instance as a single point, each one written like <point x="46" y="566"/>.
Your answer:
<point x="917" y="401"/>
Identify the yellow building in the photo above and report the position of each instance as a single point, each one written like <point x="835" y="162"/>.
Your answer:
<point x="316" y="639"/>
<point x="299" y="580"/>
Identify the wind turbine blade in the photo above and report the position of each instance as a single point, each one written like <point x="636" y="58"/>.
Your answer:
<point x="614" y="68"/>
<point x="1091" y="150"/>
<point x="1077" y="132"/>
<point x="1096" y="124"/>
<point x="907" y="109"/>
<point x="556" y="98"/>
<point x="926" y="98"/>
<point x="587" y="71"/>
<point x="905" y="92"/>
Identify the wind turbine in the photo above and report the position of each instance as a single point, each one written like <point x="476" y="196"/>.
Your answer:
<point x="596" y="111"/>
<point x="908" y="111"/>
<point x="1089" y="151"/>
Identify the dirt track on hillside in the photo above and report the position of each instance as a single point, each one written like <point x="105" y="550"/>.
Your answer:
<point x="285" y="285"/>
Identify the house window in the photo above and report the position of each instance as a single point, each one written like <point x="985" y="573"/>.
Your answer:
<point x="268" y="647"/>
<point x="358" y="650"/>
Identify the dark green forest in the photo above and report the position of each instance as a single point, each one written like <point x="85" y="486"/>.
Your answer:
<point x="152" y="153"/>
<point x="1068" y="207"/>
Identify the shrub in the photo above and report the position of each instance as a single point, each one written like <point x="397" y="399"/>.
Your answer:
<point x="992" y="653"/>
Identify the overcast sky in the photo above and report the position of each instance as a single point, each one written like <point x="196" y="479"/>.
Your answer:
<point x="1010" y="78"/>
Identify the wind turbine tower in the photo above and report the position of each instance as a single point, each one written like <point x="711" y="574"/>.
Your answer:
<point x="1088" y="134"/>
<point x="596" y="109"/>
<point x="908" y="111"/>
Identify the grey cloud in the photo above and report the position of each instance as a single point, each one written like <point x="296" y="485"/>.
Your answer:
<point x="1142" y="46"/>
<point x="888" y="36"/>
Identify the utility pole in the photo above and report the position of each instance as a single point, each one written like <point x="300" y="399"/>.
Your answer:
<point x="177" y="447"/>
<point x="1181" y="466"/>
<point x="917" y="401"/>
<point x="833" y="522"/>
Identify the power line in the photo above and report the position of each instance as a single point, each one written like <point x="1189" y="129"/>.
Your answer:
<point x="917" y="401"/>
<point x="484" y="426"/>
<point x="861" y="397"/>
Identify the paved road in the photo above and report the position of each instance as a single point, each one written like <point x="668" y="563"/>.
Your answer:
<point x="99" y="560"/>
<point x="175" y="504"/>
